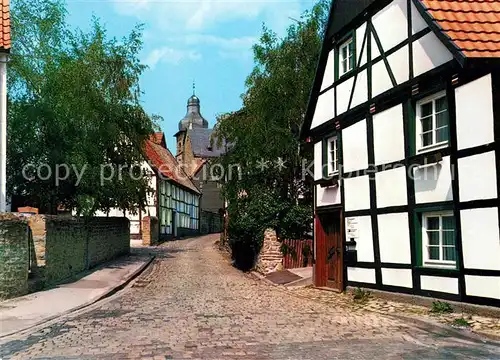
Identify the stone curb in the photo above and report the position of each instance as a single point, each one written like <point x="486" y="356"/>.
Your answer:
<point x="109" y="292"/>
<point x="261" y="277"/>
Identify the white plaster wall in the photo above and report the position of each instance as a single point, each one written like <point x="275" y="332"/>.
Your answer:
<point x="381" y="81"/>
<point x="391" y="24"/>
<point x="318" y="160"/>
<point x="433" y="183"/>
<point x="429" y="53"/>
<point x="441" y="284"/>
<point x="485" y="286"/>
<point x="355" y="147"/>
<point x="328" y="195"/>
<point x="388" y="138"/>
<point x="391" y="187"/>
<point x="474" y="109"/>
<point x="480" y="238"/>
<point x="361" y="275"/>
<point x="397" y="277"/>
<point x="343" y="95"/>
<point x="363" y="236"/>
<point x="417" y="22"/>
<point x="399" y="64"/>
<point x="360" y="95"/>
<point x="357" y="193"/>
<point x="324" y="108"/>
<point x="360" y="35"/>
<point x="394" y="238"/>
<point x="477" y="177"/>
<point x="329" y="74"/>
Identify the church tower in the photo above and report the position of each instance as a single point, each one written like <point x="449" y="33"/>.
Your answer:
<point x="192" y="120"/>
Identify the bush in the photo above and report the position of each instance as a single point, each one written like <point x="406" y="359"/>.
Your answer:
<point x="360" y="295"/>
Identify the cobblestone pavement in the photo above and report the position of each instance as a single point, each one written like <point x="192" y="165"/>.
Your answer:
<point x="192" y="304"/>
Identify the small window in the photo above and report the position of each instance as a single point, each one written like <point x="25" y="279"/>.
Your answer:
<point x="432" y="122"/>
<point x="333" y="156"/>
<point x="346" y="56"/>
<point x="438" y="235"/>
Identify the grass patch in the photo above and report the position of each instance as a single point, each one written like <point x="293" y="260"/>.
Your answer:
<point x="361" y="296"/>
<point x="461" y="322"/>
<point x="441" y="307"/>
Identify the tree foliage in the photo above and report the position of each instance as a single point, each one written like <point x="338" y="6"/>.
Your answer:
<point x="264" y="136"/>
<point x="74" y="99"/>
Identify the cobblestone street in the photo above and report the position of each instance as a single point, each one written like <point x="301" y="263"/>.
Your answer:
<point x="192" y="304"/>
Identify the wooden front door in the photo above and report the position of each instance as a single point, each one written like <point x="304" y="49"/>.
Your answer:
<point x="332" y="246"/>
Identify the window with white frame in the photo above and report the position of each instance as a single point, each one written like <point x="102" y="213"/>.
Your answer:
<point x="333" y="155"/>
<point x="438" y="239"/>
<point x="346" y="58"/>
<point x="432" y="122"/>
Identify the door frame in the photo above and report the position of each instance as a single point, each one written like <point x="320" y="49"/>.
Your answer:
<point x="321" y="264"/>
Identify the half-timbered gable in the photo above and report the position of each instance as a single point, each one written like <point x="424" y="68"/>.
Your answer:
<point x="404" y="116"/>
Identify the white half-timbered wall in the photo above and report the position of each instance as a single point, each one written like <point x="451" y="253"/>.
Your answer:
<point x="477" y="174"/>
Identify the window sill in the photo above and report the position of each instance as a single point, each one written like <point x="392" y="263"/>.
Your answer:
<point x="439" y="265"/>
<point x="345" y="75"/>
<point x="426" y="149"/>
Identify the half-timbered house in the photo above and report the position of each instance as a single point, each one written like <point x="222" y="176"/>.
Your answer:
<point x="404" y="117"/>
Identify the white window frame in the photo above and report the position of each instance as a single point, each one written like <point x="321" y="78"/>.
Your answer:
<point x="333" y="163"/>
<point x="418" y="127"/>
<point x="346" y="44"/>
<point x="425" y="241"/>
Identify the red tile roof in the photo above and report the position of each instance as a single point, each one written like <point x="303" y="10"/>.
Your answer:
<point x="4" y="25"/>
<point x="162" y="159"/>
<point x="159" y="139"/>
<point x="472" y="25"/>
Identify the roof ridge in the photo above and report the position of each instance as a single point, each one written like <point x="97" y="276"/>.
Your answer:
<point x="464" y="11"/>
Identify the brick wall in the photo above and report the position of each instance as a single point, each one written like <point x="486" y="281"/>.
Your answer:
<point x="68" y="247"/>
<point x="150" y="231"/>
<point x="14" y="256"/>
<point x="108" y="238"/>
<point x="75" y="244"/>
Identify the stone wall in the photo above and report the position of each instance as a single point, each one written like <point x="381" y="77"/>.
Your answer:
<point x="150" y="231"/>
<point x="14" y="256"/>
<point x="75" y="244"/>
<point x="270" y="257"/>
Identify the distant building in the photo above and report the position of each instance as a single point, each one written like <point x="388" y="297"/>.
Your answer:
<point x="195" y="150"/>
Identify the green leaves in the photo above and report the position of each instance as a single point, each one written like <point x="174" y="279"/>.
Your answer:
<point x="267" y="129"/>
<point x="74" y="100"/>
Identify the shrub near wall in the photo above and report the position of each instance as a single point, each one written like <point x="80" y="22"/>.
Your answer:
<point x="14" y="256"/>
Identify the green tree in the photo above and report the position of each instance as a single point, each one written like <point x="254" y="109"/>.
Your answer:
<point x="74" y="100"/>
<point x="264" y="136"/>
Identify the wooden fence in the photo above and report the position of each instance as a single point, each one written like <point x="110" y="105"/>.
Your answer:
<point x="295" y="255"/>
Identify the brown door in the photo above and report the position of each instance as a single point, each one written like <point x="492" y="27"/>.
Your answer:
<point x="332" y="249"/>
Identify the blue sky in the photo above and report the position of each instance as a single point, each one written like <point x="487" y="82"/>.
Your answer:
<point x="209" y="41"/>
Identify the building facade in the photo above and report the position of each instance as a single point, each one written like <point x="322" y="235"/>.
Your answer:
<point x="195" y="151"/>
<point x="175" y="200"/>
<point x="404" y="116"/>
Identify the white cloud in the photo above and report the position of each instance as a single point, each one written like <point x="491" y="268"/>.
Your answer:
<point x="196" y="15"/>
<point x="170" y="55"/>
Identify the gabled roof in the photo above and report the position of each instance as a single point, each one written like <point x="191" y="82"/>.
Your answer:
<point x="162" y="160"/>
<point x="473" y="26"/>
<point x="5" y="40"/>
<point x="201" y="144"/>
<point x="159" y="139"/>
